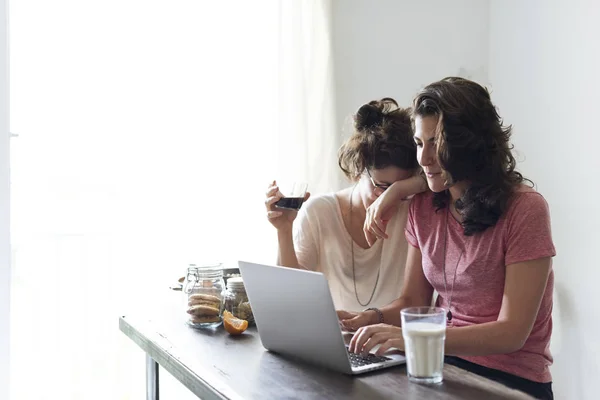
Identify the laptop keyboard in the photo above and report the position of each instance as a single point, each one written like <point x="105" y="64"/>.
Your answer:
<point x="357" y="360"/>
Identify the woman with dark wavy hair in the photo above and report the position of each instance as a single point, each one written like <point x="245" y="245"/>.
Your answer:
<point x="481" y="238"/>
<point x="328" y="236"/>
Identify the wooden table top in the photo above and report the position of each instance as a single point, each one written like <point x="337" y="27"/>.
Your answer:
<point x="214" y="365"/>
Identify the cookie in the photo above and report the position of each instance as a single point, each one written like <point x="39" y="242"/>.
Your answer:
<point x="201" y="310"/>
<point x="204" y="319"/>
<point x="202" y="302"/>
<point x="205" y="297"/>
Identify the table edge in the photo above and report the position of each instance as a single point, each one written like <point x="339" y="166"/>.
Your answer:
<point x="205" y="386"/>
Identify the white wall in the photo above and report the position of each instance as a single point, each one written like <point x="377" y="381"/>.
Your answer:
<point x="4" y="208"/>
<point x="392" y="48"/>
<point x="545" y="72"/>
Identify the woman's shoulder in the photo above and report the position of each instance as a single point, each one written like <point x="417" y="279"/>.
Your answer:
<point x="422" y="202"/>
<point x="526" y="204"/>
<point x="321" y="204"/>
<point x="525" y="197"/>
<point x="424" y="196"/>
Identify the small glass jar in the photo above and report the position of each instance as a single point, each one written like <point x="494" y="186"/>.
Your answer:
<point x="236" y="300"/>
<point x="203" y="295"/>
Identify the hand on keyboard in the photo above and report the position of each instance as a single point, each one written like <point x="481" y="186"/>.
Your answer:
<point x="358" y="360"/>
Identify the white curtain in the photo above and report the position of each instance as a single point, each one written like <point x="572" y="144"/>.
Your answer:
<point x="148" y="133"/>
<point x="308" y="139"/>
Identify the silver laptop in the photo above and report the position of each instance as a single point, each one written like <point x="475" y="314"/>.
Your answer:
<point x="295" y="316"/>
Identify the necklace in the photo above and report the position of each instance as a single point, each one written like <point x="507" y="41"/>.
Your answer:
<point x="449" y="313"/>
<point x="353" y="269"/>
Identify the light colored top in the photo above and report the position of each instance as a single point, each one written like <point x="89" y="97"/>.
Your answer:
<point x="522" y="234"/>
<point x="323" y="244"/>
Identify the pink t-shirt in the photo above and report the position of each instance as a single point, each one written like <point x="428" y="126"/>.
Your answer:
<point x="521" y="234"/>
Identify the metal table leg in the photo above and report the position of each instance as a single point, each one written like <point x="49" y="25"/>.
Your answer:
<point x="151" y="379"/>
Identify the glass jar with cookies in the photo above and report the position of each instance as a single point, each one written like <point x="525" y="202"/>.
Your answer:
<point x="203" y="291"/>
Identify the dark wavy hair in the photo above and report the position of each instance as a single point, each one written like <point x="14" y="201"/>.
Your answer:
<point x="472" y="145"/>
<point x="383" y="137"/>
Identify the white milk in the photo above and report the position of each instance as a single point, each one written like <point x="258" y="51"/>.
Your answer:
<point x="424" y="344"/>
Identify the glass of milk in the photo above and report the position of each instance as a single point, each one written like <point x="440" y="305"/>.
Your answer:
<point x="424" y="332"/>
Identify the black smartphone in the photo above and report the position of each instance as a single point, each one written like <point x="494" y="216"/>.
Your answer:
<point x="292" y="203"/>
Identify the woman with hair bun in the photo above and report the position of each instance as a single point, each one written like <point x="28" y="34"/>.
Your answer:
<point x="327" y="235"/>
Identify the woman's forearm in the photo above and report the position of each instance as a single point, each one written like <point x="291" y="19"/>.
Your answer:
<point x="286" y="254"/>
<point x="391" y="312"/>
<point x="416" y="290"/>
<point x="400" y="190"/>
<point x="495" y="337"/>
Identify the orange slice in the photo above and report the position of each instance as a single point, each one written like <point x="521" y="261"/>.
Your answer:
<point x="233" y="325"/>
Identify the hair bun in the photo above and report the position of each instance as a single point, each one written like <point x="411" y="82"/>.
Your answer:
<point x="367" y="117"/>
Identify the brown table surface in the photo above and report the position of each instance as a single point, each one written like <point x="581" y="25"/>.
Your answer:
<point x="214" y="365"/>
